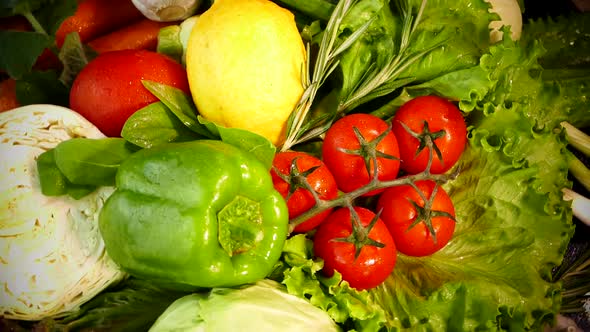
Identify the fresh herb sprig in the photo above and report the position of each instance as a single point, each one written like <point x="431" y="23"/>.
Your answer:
<point x="325" y="63"/>
<point x="381" y="79"/>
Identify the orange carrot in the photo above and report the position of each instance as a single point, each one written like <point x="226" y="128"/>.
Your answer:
<point x="95" y="18"/>
<point x="140" y="35"/>
<point x="8" y="99"/>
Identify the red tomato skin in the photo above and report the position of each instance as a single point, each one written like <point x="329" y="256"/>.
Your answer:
<point x="398" y="214"/>
<point x="109" y="89"/>
<point x="349" y="170"/>
<point x="321" y="180"/>
<point x="372" y="266"/>
<point x="440" y="114"/>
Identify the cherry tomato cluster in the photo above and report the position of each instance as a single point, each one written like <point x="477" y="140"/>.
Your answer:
<point x="365" y="156"/>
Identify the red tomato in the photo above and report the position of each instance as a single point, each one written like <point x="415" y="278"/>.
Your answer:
<point x="349" y="168"/>
<point x="109" y="89"/>
<point x="399" y="214"/>
<point x="300" y="199"/>
<point x="372" y="265"/>
<point x="441" y="115"/>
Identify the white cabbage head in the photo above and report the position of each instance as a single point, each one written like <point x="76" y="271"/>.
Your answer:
<point x="52" y="257"/>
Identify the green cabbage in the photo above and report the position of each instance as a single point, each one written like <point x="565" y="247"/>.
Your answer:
<point x="264" y="306"/>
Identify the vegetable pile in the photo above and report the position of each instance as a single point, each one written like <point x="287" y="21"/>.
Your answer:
<point x="364" y="165"/>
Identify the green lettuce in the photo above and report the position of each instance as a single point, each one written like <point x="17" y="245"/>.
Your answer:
<point x="512" y="223"/>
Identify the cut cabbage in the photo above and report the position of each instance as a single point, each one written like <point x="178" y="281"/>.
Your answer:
<point x="52" y="257"/>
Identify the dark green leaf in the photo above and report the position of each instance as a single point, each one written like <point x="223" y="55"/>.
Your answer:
<point x="133" y="306"/>
<point x="41" y="87"/>
<point x="180" y="104"/>
<point x="565" y="39"/>
<point x="74" y="56"/>
<point x="20" y="50"/>
<point x="246" y="140"/>
<point x="52" y="14"/>
<point x="155" y="124"/>
<point x="92" y="161"/>
<point x="19" y="7"/>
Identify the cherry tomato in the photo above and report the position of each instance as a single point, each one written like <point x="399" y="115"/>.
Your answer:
<point x="398" y="213"/>
<point x="372" y="265"/>
<point x="349" y="167"/>
<point x="300" y="199"/>
<point x="109" y="89"/>
<point x="444" y="121"/>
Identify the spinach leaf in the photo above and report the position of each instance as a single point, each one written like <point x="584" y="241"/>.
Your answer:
<point x="246" y="140"/>
<point x="180" y="104"/>
<point x="92" y="161"/>
<point x="155" y="124"/>
<point x="54" y="183"/>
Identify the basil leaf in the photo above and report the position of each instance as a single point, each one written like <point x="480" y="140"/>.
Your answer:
<point x="20" y="50"/>
<point x="246" y="140"/>
<point x="180" y="104"/>
<point x="92" y="161"/>
<point x="155" y="124"/>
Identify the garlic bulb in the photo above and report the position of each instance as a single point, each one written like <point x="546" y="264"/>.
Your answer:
<point x="167" y="10"/>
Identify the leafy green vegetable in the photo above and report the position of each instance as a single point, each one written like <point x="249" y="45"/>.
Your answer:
<point x="92" y="161"/>
<point x="74" y="56"/>
<point x="132" y="306"/>
<point x="180" y="104"/>
<point x="54" y="183"/>
<point x="246" y="140"/>
<point x="155" y="124"/>
<point x="32" y="44"/>
<point x="45" y="17"/>
<point x="263" y="306"/>
<point x="512" y="223"/>
<point x="565" y="38"/>
<point x="348" y="307"/>
<point x="41" y="87"/>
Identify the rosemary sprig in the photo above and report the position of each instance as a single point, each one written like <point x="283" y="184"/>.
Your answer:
<point x="326" y="62"/>
<point x="378" y="81"/>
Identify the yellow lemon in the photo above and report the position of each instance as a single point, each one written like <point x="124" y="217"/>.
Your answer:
<point x="244" y="61"/>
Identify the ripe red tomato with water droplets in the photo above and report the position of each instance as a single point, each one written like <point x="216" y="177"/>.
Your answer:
<point x="398" y="213"/>
<point x="372" y="265"/>
<point x="109" y="89"/>
<point x="300" y="199"/>
<point x="349" y="168"/>
<point x="446" y="123"/>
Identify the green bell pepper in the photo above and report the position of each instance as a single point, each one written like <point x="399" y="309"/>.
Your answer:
<point x="201" y="213"/>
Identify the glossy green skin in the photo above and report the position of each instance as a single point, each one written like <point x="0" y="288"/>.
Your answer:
<point x="162" y="221"/>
